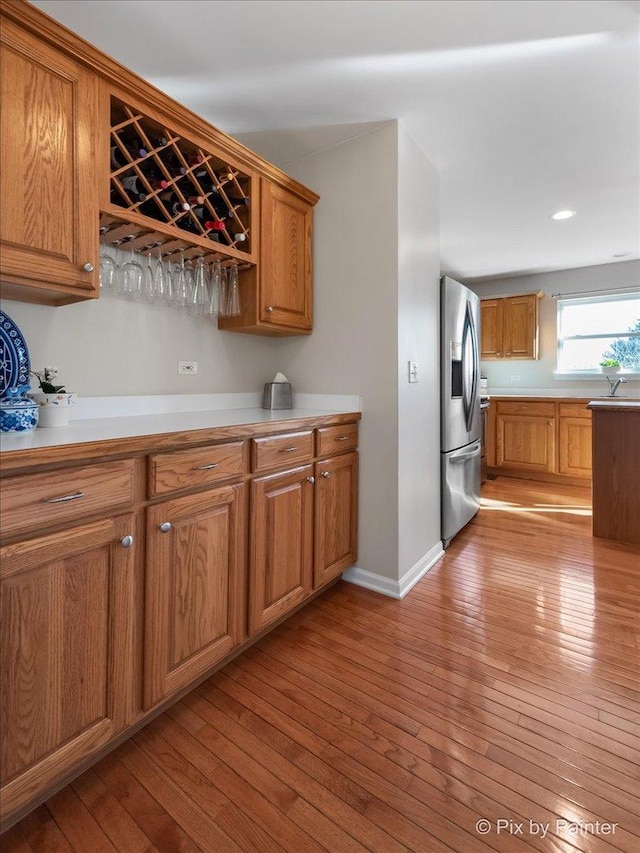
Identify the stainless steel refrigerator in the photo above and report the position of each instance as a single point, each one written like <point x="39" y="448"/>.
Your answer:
<point x="461" y="424"/>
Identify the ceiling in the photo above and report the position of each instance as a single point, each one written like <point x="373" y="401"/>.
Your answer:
<point x="524" y="106"/>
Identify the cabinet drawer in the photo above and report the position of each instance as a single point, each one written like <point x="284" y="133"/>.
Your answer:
<point x="280" y="450"/>
<point x="171" y="472"/>
<point x="574" y="410"/>
<point x="34" y="501"/>
<point x="525" y="407"/>
<point x="336" y="439"/>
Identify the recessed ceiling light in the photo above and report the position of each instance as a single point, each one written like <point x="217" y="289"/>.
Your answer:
<point x="563" y="214"/>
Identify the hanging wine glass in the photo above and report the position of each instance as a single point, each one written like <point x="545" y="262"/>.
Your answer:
<point x="199" y="296"/>
<point x="108" y="270"/>
<point x="131" y="275"/>
<point x="213" y="304"/>
<point x="234" y="292"/>
<point x="224" y="293"/>
<point x="159" y="279"/>
<point x="180" y="283"/>
<point x="148" y="285"/>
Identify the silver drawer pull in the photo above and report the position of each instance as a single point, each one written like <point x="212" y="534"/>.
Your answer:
<point x="326" y="475"/>
<point x="342" y="438"/>
<point x="287" y="449"/>
<point x="74" y="497"/>
<point x="206" y="467"/>
<point x="127" y="541"/>
<point x="165" y="527"/>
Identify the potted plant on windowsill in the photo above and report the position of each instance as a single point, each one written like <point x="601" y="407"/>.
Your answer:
<point x="54" y="401"/>
<point x="610" y="365"/>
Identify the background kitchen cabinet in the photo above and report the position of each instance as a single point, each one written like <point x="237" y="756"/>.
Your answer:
<point x="526" y="441"/>
<point x="67" y="627"/>
<point x="48" y="205"/>
<point x="336" y="517"/>
<point x="574" y="440"/>
<point x="276" y="295"/>
<point x="509" y="327"/>
<point x="280" y="575"/>
<point x="193" y="609"/>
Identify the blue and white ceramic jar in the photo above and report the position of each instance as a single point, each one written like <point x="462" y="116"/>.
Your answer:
<point x="17" y="412"/>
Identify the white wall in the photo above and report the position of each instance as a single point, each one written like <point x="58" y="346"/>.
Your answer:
<point x="353" y="348"/>
<point x="418" y="340"/>
<point x="115" y="347"/>
<point x="539" y="374"/>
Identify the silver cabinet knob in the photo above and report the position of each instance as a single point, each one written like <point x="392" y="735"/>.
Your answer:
<point x="126" y="541"/>
<point x="165" y="527"/>
<point x="88" y="267"/>
<point x="326" y="475"/>
<point x="270" y="309"/>
<point x="311" y="480"/>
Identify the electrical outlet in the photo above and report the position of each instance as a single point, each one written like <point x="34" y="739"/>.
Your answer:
<point x="515" y="378"/>
<point x="187" y="368"/>
<point x="413" y="371"/>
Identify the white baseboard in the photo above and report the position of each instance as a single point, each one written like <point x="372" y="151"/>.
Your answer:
<point x="395" y="588"/>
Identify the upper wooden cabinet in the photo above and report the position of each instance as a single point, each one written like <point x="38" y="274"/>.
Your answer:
<point x="509" y="327"/>
<point x="48" y="203"/>
<point x="277" y="294"/>
<point x="91" y="152"/>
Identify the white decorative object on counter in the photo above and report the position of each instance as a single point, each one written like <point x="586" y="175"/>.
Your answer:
<point x="53" y="400"/>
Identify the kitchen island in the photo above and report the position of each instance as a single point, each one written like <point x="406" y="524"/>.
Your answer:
<point x="616" y="469"/>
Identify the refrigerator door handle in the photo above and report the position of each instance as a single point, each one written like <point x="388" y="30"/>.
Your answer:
<point x="475" y="451"/>
<point x="469" y="394"/>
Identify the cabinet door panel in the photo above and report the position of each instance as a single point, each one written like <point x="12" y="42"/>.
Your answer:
<point x="491" y="328"/>
<point x="193" y="588"/>
<point x="575" y="447"/>
<point x="67" y="621"/>
<point x="285" y="270"/>
<point x="336" y="516"/>
<point x="521" y="326"/>
<point x="48" y="207"/>
<point x="526" y="442"/>
<point x="281" y="544"/>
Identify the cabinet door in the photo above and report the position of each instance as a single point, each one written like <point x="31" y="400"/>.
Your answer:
<point x="526" y="442"/>
<point x="574" y="446"/>
<point x="285" y="261"/>
<point x="281" y="544"/>
<point x="336" y="517"/>
<point x="520" y="326"/>
<point x="491" y="328"/>
<point x="66" y="655"/>
<point x="48" y="207"/>
<point x="193" y="588"/>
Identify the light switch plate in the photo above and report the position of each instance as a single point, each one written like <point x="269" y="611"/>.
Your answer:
<point x="413" y="371"/>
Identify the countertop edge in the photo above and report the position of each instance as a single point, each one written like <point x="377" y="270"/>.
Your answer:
<point x="614" y="406"/>
<point x="152" y="442"/>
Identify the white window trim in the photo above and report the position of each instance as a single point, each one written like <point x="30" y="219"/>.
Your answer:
<point x="591" y="373"/>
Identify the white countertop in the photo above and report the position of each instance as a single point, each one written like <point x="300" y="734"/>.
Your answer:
<point x="108" y="429"/>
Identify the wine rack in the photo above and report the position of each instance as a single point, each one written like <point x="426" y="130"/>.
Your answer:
<point x="167" y="189"/>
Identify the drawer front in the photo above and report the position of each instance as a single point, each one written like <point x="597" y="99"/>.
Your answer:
<point x="34" y="501"/>
<point x="512" y="407"/>
<point x="336" y="439"/>
<point x="279" y="451"/>
<point x="171" y="472"/>
<point x="574" y="410"/>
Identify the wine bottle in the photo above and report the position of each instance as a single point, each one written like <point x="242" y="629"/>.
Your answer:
<point x="133" y="184"/>
<point x="206" y="182"/>
<point x="239" y="238"/>
<point x="238" y="200"/>
<point x="173" y="165"/>
<point x="216" y="225"/>
<point x="187" y="224"/>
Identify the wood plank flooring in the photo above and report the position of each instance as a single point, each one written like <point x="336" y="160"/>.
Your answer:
<point x="504" y="688"/>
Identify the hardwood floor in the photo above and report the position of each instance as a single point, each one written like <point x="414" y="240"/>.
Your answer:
<point x="504" y="687"/>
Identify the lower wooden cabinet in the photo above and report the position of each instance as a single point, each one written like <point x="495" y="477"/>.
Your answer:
<point x="526" y="442"/>
<point x="336" y="517"/>
<point x="538" y="438"/>
<point x="281" y="550"/>
<point x="193" y="606"/>
<point x="67" y="620"/>
<point x="151" y="582"/>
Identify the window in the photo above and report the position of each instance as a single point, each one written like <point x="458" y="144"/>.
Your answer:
<point x="592" y="329"/>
